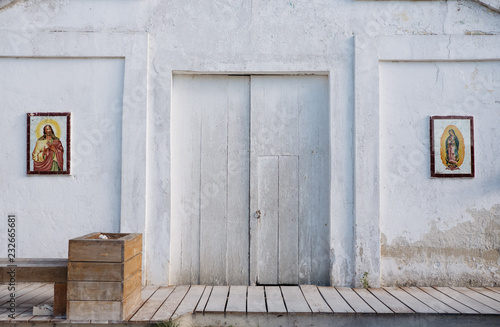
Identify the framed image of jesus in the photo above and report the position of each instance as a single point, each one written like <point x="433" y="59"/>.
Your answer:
<point x="48" y="143"/>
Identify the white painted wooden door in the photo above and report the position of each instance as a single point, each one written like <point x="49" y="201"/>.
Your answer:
<point x="210" y="180"/>
<point x="289" y="180"/>
<point x="241" y="144"/>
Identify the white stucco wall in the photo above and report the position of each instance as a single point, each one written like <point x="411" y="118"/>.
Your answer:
<point x="50" y="209"/>
<point x="240" y="37"/>
<point x="450" y="230"/>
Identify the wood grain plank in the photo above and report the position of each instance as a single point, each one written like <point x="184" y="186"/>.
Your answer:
<point x="167" y="309"/>
<point x="190" y="301"/>
<point x="112" y="291"/>
<point x="335" y="300"/>
<point x="238" y="179"/>
<point x="186" y="120"/>
<point x="4" y="290"/>
<point x="487" y="292"/>
<point x="464" y="299"/>
<point x="256" y="301"/>
<point x="448" y="300"/>
<point x="43" y="318"/>
<point x="409" y="300"/>
<point x="268" y="200"/>
<point x="372" y="301"/>
<point x="35" y="270"/>
<point x="24" y="305"/>
<point x="200" y="307"/>
<point x="218" y="299"/>
<point x="493" y="304"/>
<point x="288" y="226"/>
<point x="294" y="300"/>
<point x="20" y="296"/>
<point x="390" y="301"/>
<point x="146" y="293"/>
<point x="314" y="299"/>
<point x="213" y="181"/>
<point x="237" y="300"/>
<point x="26" y="313"/>
<point x="354" y="300"/>
<point x="60" y="295"/>
<point x="17" y="290"/>
<point x="274" y="300"/>
<point x="432" y="302"/>
<point x="104" y="271"/>
<point x="148" y="309"/>
<point x="495" y="289"/>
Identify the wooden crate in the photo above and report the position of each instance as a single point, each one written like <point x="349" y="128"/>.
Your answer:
<point x="104" y="276"/>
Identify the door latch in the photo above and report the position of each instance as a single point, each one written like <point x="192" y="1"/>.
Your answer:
<point x="257" y="214"/>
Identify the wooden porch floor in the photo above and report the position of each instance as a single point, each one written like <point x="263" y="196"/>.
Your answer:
<point x="177" y="302"/>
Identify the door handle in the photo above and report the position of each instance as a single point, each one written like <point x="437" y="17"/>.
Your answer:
<point x="257" y="214"/>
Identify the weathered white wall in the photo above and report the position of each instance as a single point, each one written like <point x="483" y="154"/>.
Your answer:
<point x="233" y="36"/>
<point x="52" y="209"/>
<point x="438" y="229"/>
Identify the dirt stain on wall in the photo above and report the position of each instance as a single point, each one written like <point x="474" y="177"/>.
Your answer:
<point x="464" y="255"/>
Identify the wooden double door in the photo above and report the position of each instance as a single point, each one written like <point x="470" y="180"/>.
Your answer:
<point x="250" y="180"/>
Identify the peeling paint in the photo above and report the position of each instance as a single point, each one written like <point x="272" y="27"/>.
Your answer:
<point x="467" y="254"/>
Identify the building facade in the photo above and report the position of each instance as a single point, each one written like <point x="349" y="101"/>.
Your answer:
<point x="260" y="142"/>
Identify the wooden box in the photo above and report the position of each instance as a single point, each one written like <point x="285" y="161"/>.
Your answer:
<point x="104" y="276"/>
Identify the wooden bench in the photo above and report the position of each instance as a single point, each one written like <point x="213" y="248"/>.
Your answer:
<point x="39" y="271"/>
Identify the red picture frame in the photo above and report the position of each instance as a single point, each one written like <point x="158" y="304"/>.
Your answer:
<point x="48" y="149"/>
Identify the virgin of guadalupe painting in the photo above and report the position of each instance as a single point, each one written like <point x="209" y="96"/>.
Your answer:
<point x="452" y="146"/>
<point x="48" y="146"/>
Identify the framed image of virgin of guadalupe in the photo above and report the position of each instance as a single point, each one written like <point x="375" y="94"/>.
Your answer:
<point x="452" y="146"/>
<point x="48" y="143"/>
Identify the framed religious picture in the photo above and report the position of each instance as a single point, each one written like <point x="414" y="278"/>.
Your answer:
<point x="452" y="146"/>
<point x="48" y="145"/>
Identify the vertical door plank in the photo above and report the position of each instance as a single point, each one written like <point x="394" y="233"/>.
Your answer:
<point x="288" y="220"/>
<point x="274" y="300"/>
<point x="267" y="253"/>
<point x="372" y="301"/>
<point x="432" y="302"/>
<point x="237" y="299"/>
<point x="185" y="179"/>
<point x="238" y="179"/>
<point x="213" y="182"/>
<point x="294" y="300"/>
<point x="190" y="301"/>
<point x="335" y="300"/>
<point x="448" y="300"/>
<point x="218" y="299"/>
<point x="314" y="299"/>
<point x="256" y="301"/>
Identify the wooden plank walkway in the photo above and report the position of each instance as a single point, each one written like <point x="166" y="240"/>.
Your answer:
<point x="173" y="302"/>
